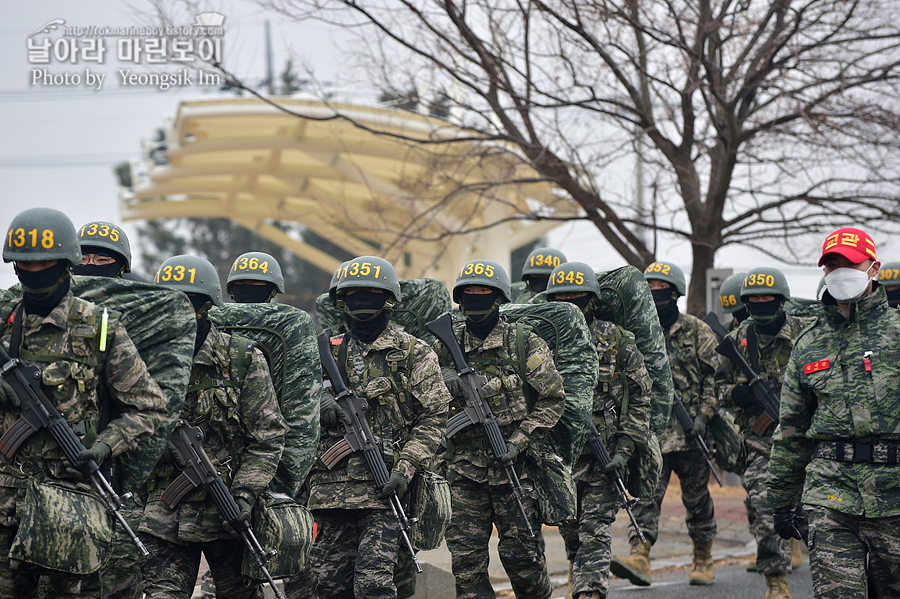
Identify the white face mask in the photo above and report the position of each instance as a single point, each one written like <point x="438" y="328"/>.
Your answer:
<point x="847" y="284"/>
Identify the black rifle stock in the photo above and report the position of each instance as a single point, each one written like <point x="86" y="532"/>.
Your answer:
<point x="763" y="390"/>
<point x="200" y="471"/>
<point x="687" y="423"/>
<point x="38" y="412"/>
<point x="601" y="454"/>
<point x="713" y="321"/>
<point x="476" y="410"/>
<point x="359" y="437"/>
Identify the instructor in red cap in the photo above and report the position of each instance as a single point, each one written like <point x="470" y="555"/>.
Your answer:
<point x="836" y="447"/>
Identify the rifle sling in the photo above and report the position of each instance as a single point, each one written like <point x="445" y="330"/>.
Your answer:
<point x="15" y="339"/>
<point x="753" y="348"/>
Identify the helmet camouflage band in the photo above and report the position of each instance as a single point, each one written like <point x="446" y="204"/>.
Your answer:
<point x="730" y="293"/>
<point x="765" y="281"/>
<point x="889" y="275"/>
<point x="668" y="272"/>
<point x="41" y="234"/>
<point x="542" y="261"/>
<point x="369" y="272"/>
<point x="108" y="236"/>
<point x="255" y="266"/>
<point x="573" y="277"/>
<point x="485" y="273"/>
<point x="191" y="274"/>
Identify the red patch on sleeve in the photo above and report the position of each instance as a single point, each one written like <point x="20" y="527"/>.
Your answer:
<point x="816" y="366"/>
<point x="337" y="341"/>
<point x="743" y="343"/>
<point x="12" y="317"/>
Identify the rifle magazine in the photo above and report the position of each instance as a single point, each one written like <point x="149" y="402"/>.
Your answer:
<point x="177" y="490"/>
<point x="336" y="453"/>
<point x="13" y="438"/>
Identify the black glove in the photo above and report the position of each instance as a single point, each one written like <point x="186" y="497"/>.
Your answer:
<point x="743" y="397"/>
<point x="453" y="382"/>
<point x="330" y="413"/>
<point x="98" y="452"/>
<point x="512" y="452"/>
<point x="8" y="397"/>
<point x="699" y="428"/>
<point x="397" y="483"/>
<point x="244" y="515"/>
<point x="786" y="521"/>
<point x="624" y="451"/>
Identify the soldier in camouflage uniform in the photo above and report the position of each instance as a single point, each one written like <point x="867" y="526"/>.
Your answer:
<point x="535" y="274"/>
<point x="692" y="357"/>
<point x="358" y="541"/>
<point x="766" y="341"/>
<point x="244" y="438"/>
<point x="480" y="492"/>
<point x="105" y="250"/>
<point x="889" y="278"/>
<point x="588" y="541"/>
<point x="254" y="278"/>
<point x="78" y="375"/>
<point x="839" y="434"/>
<point x="730" y="299"/>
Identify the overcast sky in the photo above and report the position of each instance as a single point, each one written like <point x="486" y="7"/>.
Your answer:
<point x="60" y="142"/>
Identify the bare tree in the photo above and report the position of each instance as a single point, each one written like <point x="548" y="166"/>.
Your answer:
<point x="753" y="121"/>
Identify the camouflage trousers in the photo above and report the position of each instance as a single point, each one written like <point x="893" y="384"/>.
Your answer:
<point x="477" y="507"/>
<point x="355" y="554"/>
<point x="27" y="581"/>
<point x="773" y="554"/>
<point x="171" y="570"/>
<point x="588" y="542"/>
<point x="841" y="544"/>
<point x="693" y="473"/>
<point x="120" y="578"/>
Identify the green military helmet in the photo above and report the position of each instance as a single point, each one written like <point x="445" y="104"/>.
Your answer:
<point x="39" y="234"/>
<point x="335" y="278"/>
<point x="109" y="236"/>
<point x="765" y="281"/>
<point x="485" y="273"/>
<point x="542" y="261"/>
<point x="191" y="274"/>
<point x="255" y="266"/>
<point x="889" y="275"/>
<point x="370" y="272"/>
<point x="573" y="277"/>
<point x="668" y="272"/>
<point x="730" y="293"/>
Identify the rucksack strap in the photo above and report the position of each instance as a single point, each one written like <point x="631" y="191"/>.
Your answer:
<point x="240" y="354"/>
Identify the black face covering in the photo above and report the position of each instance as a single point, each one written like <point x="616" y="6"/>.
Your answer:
<point x="537" y="284"/>
<point x="92" y="270"/>
<point x="666" y="306"/>
<point x="201" y="304"/>
<point x="481" y="315"/>
<point x="582" y="304"/>
<point x="367" y="314"/>
<point x="741" y="315"/>
<point x="893" y="296"/>
<point x="252" y="294"/>
<point x="44" y="288"/>
<point x="767" y="316"/>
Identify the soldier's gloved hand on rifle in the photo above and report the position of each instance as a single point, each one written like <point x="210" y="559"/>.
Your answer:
<point x="624" y="450"/>
<point x="330" y="413"/>
<point x="699" y="428"/>
<point x="453" y="382"/>
<point x="743" y="397"/>
<point x="98" y="452"/>
<point x="512" y="452"/>
<point x="786" y="520"/>
<point x="244" y="515"/>
<point x="8" y="397"/>
<point x="397" y="482"/>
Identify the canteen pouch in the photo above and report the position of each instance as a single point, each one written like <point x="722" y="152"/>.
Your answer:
<point x="429" y="504"/>
<point x="283" y="525"/>
<point x="62" y="528"/>
<point x="644" y="468"/>
<point x="554" y="487"/>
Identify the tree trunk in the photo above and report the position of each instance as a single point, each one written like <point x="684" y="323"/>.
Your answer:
<point x="704" y="258"/>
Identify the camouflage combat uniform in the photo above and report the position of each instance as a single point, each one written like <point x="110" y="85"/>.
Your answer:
<point x="244" y="438"/>
<point x="831" y="401"/>
<point x="358" y="540"/>
<point x="480" y="492"/>
<point x="588" y="542"/>
<point x="773" y="554"/>
<point x="75" y="376"/>
<point x="693" y="360"/>
<point x="520" y="292"/>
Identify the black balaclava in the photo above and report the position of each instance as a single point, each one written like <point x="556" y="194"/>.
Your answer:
<point x="481" y="313"/>
<point x="44" y="288"/>
<point x="537" y="284"/>
<point x="666" y="306"/>
<point x="582" y="304"/>
<point x="741" y="315"/>
<point x="367" y="314"/>
<point x="244" y="293"/>
<point x="111" y="270"/>
<point x="893" y="296"/>
<point x="201" y="304"/>
<point x="768" y="316"/>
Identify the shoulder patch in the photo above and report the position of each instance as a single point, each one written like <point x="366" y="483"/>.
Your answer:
<point x="337" y="340"/>
<point x="744" y="342"/>
<point x="816" y="366"/>
<point x="533" y="362"/>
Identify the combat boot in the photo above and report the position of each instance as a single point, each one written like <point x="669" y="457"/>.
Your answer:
<point x="796" y="554"/>
<point x="635" y="567"/>
<point x="778" y="588"/>
<point x="569" y="592"/>
<point x="702" y="572"/>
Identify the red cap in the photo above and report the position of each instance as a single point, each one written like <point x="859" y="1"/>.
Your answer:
<point x="853" y="244"/>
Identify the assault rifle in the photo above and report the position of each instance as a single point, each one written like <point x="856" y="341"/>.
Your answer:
<point x="476" y="410"/>
<point x="38" y="412"/>
<point x="687" y="423"/>
<point x="200" y="471"/>
<point x="763" y="390"/>
<point x="359" y="437"/>
<point x="601" y="454"/>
